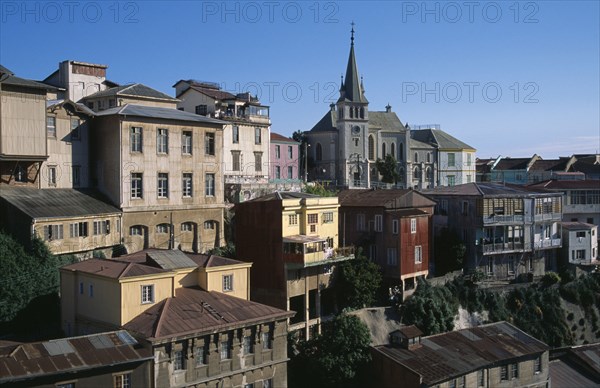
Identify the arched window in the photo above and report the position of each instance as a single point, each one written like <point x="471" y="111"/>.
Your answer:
<point x="163" y="228"/>
<point x="416" y="157"/>
<point x="362" y="112"/>
<point x="371" y="148"/>
<point x="383" y="151"/>
<point x="351" y="112"/>
<point x="428" y="173"/>
<point x="401" y="173"/>
<point x="393" y="149"/>
<point x="401" y="152"/>
<point x="417" y="172"/>
<point x="429" y="157"/>
<point x="319" y="152"/>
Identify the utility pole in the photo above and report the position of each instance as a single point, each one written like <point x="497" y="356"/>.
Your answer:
<point x="305" y="162"/>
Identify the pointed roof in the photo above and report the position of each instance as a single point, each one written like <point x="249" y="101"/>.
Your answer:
<point x="352" y="89"/>
<point x="133" y="90"/>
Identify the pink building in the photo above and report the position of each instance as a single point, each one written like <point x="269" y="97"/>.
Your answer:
<point x="284" y="159"/>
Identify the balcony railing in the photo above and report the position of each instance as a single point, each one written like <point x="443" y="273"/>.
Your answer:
<point x="312" y="258"/>
<point x="501" y="218"/>
<point x="547" y="243"/>
<point x="503" y="247"/>
<point x="548" y="217"/>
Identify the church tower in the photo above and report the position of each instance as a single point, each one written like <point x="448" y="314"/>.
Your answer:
<point x="352" y="125"/>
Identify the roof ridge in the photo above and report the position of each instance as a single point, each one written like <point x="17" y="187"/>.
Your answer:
<point x="161" y="317"/>
<point x="127" y="267"/>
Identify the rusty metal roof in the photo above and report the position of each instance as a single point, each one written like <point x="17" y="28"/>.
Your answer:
<point x="113" y="268"/>
<point x="445" y="356"/>
<point x="390" y="199"/>
<point x="68" y="355"/>
<point x="194" y="311"/>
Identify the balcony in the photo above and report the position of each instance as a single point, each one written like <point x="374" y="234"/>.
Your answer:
<point x="548" y="217"/>
<point x="501" y="247"/>
<point x="306" y="251"/>
<point x="505" y="219"/>
<point x="547" y="243"/>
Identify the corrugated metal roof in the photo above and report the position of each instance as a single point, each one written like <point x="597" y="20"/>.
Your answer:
<point x="564" y="375"/>
<point x="391" y="199"/>
<point x="134" y="90"/>
<point x="158" y="113"/>
<point x="68" y="355"/>
<point x="444" y="356"/>
<point x="194" y="311"/>
<point x="171" y="259"/>
<point x="56" y="203"/>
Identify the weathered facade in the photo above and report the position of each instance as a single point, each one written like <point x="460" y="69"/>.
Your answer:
<point x="192" y="310"/>
<point x="283" y="166"/>
<point x="580" y="244"/>
<point x="293" y="254"/>
<point x="492" y="355"/>
<point x="394" y="228"/>
<point x="507" y="231"/>
<point x="160" y="166"/>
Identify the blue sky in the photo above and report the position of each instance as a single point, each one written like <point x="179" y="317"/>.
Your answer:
<point x="509" y="78"/>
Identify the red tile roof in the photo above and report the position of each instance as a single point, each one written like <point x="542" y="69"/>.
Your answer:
<point x="393" y="198"/>
<point x="275" y="137"/>
<point x="194" y="312"/>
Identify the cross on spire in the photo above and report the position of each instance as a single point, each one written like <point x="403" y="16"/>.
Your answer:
<point x="352" y="31"/>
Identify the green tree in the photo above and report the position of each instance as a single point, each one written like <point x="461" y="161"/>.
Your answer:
<point x="337" y="358"/>
<point x="388" y="169"/>
<point x="431" y="308"/>
<point x="358" y="282"/>
<point x="318" y="189"/>
<point x="224" y="251"/>
<point x="449" y="251"/>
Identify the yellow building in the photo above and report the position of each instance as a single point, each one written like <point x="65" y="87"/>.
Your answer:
<point x="193" y="310"/>
<point x="292" y="240"/>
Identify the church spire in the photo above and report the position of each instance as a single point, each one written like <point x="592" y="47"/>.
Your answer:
<point x="352" y="88"/>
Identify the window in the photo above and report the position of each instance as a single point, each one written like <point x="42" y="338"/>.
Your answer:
<point x="123" y="380"/>
<point x="20" y="174"/>
<point x="417" y="172"/>
<point x="178" y="360"/>
<point x="225" y="350"/>
<point x="235" y="136"/>
<point x="290" y="172"/>
<point x="277" y="172"/>
<point x="258" y="161"/>
<point x="235" y="161"/>
<point x="75" y="123"/>
<point x="313" y="218"/>
<point x="257" y="136"/>
<point x="163" y="228"/>
<point x="80" y="288"/>
<point x="416" y="157"/>
<point x="186" y="184"/>
<point x="293" y="219"/>
<point x="248" y="344"/>
<point x="53" y="232"/>
<point x="395" y="226"/>
<point x="452" y="383"/>
<point x="136" y="185"/>
<point x="511" y="265"/>
<point x="469" y="179"/>
<point x="451" y="180"/>
<point x="580" y="254"/>
<point x="227" y="283"/>
<point x="148" y="294"/>
<point x="290" y="152"/>
<point x="268" y="383"/>
<point x="277" y="152"/>
<point x="465" y="208"/>
<point x="480" y="378"/>
<point x="187" y="227"/>
<point x="383" y="150"/>
<point x="580" y="234"/>
<point x="490" y="266"/>
<point x="537" y="366"/>
<point x="51" y="175"/>
<point x="101" y="227"/>
<point x="413" y="225"/>
<point x="51" y="126"/>
<point x="378" y="223"/>
<point x="360" y="222"/>
<point x="209" y="224"/>
<point x="461" y="382"/>
<point x="163" y="185"/>
<point x="504" y="372"/>
<point x="209" y="143"/>
<point x="319" y="152"/>
<point x="451" y="159"/>
<point x="162" y="141"/>
<point x="201" y="110"/>
<point x="393" y="150"/>
<point x="514" y="371"/>
<point x="186" y="142"/>
<point x="209" y="185"/>
<point x="201" y="354"/>
<point x="136" y="139"/>
<point x="78" y="229"/>
<point x="91" y="291"/>
<point x="266" y="339"/>
<point x="76" y="175"/>
<point x="418" y="254"/>
<point x="392" y="256"/>
<point x="136" y="230"/>
<point x="469" y="161"/>
<point x="327" y="217"/>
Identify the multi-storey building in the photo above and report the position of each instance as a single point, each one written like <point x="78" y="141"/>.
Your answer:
<point x="160" y="166"/>
<point x="192" y="310"/>
<point x="580" y="243"/>
<point x="75" y="80"/>
<point x="245" y="144"/>
<point x="507" y="231"/>
<point x="293" y="241"/>
<point x="349" y="139"/>
<point x="138" y="94"/>
<point x="111" y="359"/>
<point x="493" y="355"/>
<point x="394" y="228"/>
<point x="284" y="159"/>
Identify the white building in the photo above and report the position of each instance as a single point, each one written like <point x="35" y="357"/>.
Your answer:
<point x="580" y="243"/>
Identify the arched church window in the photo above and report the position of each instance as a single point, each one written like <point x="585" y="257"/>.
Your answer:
<point x="417" y="172"/>
<point x="393" y="150"/>
<point x="319" y="152"/>
<point x="371" y="148"/>
<point x="416" y="157"/>
<point x="383" y="151"/>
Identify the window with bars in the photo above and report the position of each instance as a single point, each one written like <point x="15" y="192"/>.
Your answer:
<point x="227" y="283"/>
<point x="148" y="293"/>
